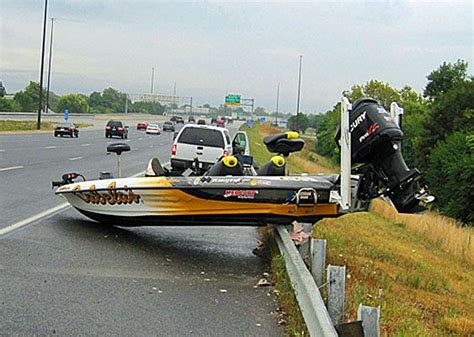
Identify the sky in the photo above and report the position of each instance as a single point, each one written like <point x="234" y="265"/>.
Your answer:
<point x="210" y="49"/>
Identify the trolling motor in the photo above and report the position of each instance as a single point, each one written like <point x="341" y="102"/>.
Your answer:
<point x="376" y="146"/>
<point x="67" y="178"/>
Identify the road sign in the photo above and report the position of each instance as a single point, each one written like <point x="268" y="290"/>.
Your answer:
<point x="232" y="100"/>
<point x="66" y="114"/>
<point x="249" y="123"/>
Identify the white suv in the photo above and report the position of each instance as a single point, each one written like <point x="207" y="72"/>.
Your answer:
<point x="206" y="143"/>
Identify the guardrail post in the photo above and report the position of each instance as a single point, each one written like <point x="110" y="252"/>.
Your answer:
<point x="318" y="260"/>
<point x="305" y="246"/>
<point x="336" y="279"/>
<point x="370" y="317"/>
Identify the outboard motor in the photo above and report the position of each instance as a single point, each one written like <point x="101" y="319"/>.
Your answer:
<point x="376" y="143"/>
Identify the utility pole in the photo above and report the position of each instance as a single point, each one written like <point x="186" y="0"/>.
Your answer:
<point x="49" y="66"/>
<point x="277" y="101"/>
<point x="152" y="78"/>
<point x="299" y="87"/>
<point x="191" y="107"/>
<point x="40" y="103"/>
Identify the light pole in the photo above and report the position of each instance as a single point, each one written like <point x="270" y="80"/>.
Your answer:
<point x="49" y="66"/>
<point x="277" y="101"/>
<point x="40" y="103"/>
<point x="299" y="87"/>
<point x="152" y="78"/>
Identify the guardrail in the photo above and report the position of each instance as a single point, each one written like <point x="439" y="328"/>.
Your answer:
<point x="321" y="320"/>
<point x="307" y="293"/>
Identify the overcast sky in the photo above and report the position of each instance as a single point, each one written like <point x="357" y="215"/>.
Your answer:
<point x="213" y="48"/>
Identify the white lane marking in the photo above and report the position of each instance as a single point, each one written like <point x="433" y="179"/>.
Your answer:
<point x="140" y="138"/>
<point x="43" y="214"/>
<point x="2" y="150"/>
<point x="50" y="147"/>
<point x="75" y="158"/>
<point x="33" y="218"/>
<point x="85" y="144"/>
<point x="11" y="168"/>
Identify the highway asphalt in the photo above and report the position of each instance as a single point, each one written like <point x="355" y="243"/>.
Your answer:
<point x="67" y="275"/>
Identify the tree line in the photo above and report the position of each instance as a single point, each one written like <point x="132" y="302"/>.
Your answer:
<point x="438" y="128"/>
<point x="109" y="100"/>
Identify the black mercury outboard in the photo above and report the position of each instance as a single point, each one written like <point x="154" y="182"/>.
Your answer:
<point x="376" y="144"/>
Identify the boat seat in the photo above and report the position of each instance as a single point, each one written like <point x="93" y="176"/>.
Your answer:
<point x="284" y="143"/>
<point x="154" y="168"/>
<point x="118" y="148"/>
<point x="227" y="166"/>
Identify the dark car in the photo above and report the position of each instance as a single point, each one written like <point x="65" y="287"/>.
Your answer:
<point x="168" y="126"/>
<point x="201" y="122"/>
<point x="177" y="119"/>
<point x="116" y="128"/>
<point x="191" y="119"/>
<point x="66" y="128"/>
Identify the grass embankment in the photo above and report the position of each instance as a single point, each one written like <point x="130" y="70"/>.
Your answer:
<point x="305" y="161"/>
<point x="418" y="268"/>
<point x="11" y="126"/>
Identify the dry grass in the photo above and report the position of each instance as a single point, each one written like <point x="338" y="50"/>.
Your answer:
<point x="423" y="291"/>
<point x="444" y="232"/>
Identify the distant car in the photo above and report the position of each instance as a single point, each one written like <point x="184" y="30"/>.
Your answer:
<point x="201" y="122"/>
<point x="66" y="128"/>
<point x="116" y="128"/>
<point x="142" y="125"/>
<point x="177" y="119"/>
<point x="168" y="126"/>
<point x="153" y="128"/>
<point x="191" y="119"/>
<point x="220" y="123"/>
<point x="214" y="121"/>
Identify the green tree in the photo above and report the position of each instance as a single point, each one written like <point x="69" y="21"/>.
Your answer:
<point x="450" y="175"/>
<point x="75" y="103"/>
<point x="378" y="90"/>
<point x="28" y="99"/>
<point x="443" y="79"/>
<point x="259" y="111"/>
<point x="9" y="105"/>
<point x="3" y="91"/>
<point x="325" y="133"/>
<point x="298" y="122"/>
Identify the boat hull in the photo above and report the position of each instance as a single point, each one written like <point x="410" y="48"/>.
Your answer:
<point x="204" y="200"/>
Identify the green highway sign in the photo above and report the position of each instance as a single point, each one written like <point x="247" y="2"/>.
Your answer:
<point x="232" y="100"/>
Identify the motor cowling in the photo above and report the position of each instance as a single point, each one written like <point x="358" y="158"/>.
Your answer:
<point x="376" y="144"/>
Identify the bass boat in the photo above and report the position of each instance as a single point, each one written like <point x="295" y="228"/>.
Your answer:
<point x="235" y="191"/>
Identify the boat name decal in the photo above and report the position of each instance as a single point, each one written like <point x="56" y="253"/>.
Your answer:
<point x="241" y="194"/>
<point x="110" y="197"/>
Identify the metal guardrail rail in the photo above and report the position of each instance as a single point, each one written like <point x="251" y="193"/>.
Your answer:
<point x="309" y="298"/>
